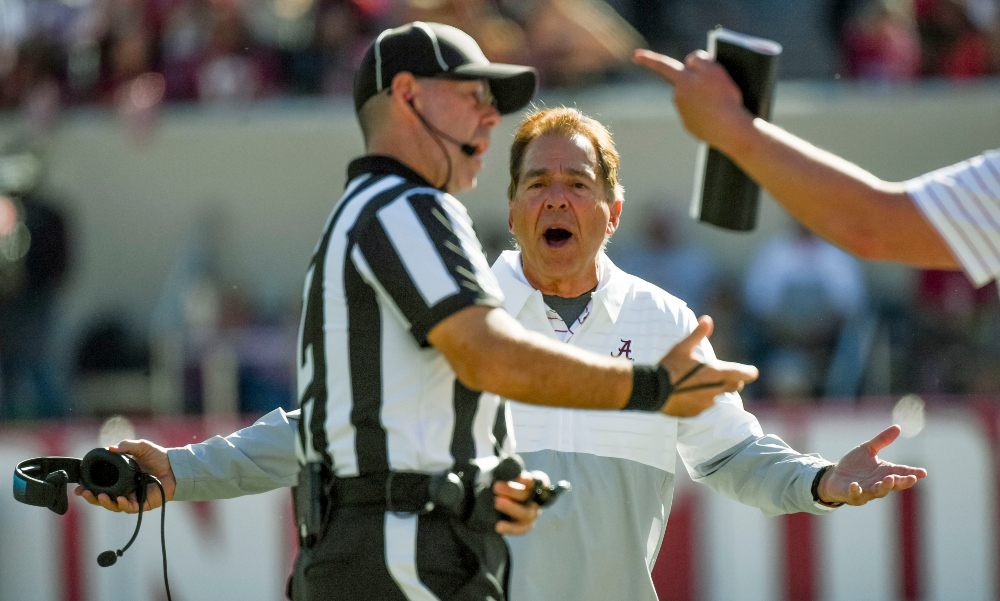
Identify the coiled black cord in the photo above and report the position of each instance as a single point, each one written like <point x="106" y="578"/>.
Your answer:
<point x="163" y="531"/>
<point x="108" y="558"/>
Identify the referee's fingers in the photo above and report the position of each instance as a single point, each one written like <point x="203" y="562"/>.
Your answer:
<point x="738" y="372"/>
<point x="666" y="67"/>
<point x="518" y="489"/>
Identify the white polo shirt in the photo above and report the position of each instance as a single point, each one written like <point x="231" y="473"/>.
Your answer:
<point x="601" y="540"/>
<point x="963" y="203"/>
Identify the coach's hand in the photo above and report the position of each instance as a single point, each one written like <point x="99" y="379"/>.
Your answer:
<point x="510" y="499"/>
<point x="861" y="476"/>
<point x="709" y="102"/>
<point x="697" y="392"/>
<point x="152" y="459"/>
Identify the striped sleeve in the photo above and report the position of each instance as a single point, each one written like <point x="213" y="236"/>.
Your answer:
<point x="963" y="203"/>
<point x="422" y="254"/>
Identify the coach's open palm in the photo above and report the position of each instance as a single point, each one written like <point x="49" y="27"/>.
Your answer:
<point x="152" y="459"/>
<point x="696" y="391"/>
<point x="861" y="476"/>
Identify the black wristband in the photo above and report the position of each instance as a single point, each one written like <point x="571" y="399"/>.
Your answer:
<point x="815" y="486"/>
<point x="651" y="388"/>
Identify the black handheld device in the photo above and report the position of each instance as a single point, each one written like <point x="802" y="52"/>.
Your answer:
<point x="42" y="482"/>
<point x="511" y="466"/>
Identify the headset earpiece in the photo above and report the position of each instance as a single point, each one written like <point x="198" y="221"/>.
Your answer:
<point x="60" y="501"/>
<point x="113" y="474"/>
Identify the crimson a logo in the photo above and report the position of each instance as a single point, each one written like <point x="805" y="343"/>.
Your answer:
<point x="625" y="349"/>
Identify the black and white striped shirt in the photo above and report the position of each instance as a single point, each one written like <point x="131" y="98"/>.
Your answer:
<point x="963" y="203"/>
<point x="397" y="257"/>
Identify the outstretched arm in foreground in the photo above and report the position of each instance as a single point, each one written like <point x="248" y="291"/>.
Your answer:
<point x="841" y="202"/>
<point x="861" y="476"/>
<point x="489" y="350"/>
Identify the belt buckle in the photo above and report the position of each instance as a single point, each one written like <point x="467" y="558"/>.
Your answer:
<point x="427" y="508"/>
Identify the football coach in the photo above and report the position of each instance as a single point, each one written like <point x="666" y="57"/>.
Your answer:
<point x="564" y="201"/>
<point x="405" y="351"/>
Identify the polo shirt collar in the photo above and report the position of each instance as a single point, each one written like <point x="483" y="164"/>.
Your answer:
<point x="612" y="285"/>
<point x="384" y="165"/>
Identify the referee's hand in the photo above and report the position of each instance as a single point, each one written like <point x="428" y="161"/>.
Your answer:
<point x="510" y="499"/>
<point x="698" y="391"/>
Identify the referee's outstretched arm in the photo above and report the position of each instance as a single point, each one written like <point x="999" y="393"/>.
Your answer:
<point x="489" y="350"/>
<point x="838" y="200"/>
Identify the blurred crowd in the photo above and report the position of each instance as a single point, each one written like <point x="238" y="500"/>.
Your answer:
<point x="140" y="52"/>
<point x="899" y="40"/>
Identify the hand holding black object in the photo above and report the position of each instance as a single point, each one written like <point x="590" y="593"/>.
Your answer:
<point x="544" y="494"/>
<point x="153" y="460"/>
<point x="521" y="494"/>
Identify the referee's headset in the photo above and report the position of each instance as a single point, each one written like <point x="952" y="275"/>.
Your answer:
<point x="42" y="482"/>
<point x="467" y="148"/>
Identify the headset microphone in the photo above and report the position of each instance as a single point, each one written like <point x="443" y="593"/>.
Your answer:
<point x="466" y="148"/>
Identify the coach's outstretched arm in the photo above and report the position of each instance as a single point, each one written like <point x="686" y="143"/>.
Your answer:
<point x="489" y="350"/>
<point x="257" y="459"/>
<point x="841" y="202"/>
<point x="861" y="476"/>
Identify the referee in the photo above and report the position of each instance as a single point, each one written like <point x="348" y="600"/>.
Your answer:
<point x="401" y="329"/>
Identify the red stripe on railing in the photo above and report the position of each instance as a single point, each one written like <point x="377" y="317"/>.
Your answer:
<point x="674" y="574"/>
<point x="989" y="420"/>
<point x="908" y="503"/>
<point x="798" y="530"/>
<point x="68" y="546"/>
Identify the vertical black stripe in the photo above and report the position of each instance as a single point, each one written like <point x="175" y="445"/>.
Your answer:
<point x="463" y="445"/>
<point x="364" y="325"/>
<point x="500" y="427"/>
<point x="387" y="267"/>
<point x="447" y="242"/>
<point x="312" y="336"/>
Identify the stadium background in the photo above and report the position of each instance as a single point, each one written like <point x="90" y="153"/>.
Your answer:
<point x="191" y="219"/>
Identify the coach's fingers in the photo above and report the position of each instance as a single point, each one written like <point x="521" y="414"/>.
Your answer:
<point x="119" y="505"/>
<point x="666" y="67"/>
<point x="91" y="498"/>
<point x="855" y="495"/>
<point x="882" y="439"/>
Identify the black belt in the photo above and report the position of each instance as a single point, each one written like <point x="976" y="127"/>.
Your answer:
<point x="406" y="492"/>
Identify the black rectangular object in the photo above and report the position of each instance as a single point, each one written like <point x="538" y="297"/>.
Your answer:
<point x="724" y="195"/>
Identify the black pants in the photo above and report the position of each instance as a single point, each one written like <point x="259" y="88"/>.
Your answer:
<point x="367" y="553"/>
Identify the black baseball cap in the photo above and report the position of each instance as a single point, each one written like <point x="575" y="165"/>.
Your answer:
<point x="436" y="50"/>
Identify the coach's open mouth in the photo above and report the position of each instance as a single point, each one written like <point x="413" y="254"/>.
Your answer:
<point x="556" y="237"/>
